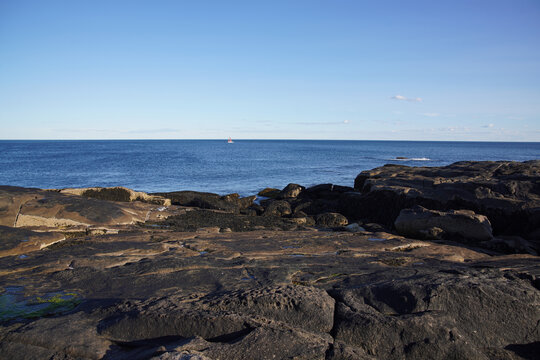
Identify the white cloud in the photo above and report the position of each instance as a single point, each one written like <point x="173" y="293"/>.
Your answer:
<point x="454" y="129"/>
<point x="489" y="126"/>
<point x="323" y="122"/>
<point x="431" y="114"/>
<point x="404" y="98"/>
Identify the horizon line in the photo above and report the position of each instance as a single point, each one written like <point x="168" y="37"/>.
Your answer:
<point x="253" y="139"/>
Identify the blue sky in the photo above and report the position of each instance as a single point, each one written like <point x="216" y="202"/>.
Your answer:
<point x="312" y="69"/>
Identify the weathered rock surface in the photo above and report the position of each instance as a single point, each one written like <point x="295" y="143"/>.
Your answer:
<point x="56" y="211"/>
<point x="16" y="241"/>
<point x="117" y="194"/>
<point x="265" y="294"/>
<point x="219" y="291"/>
<point x="508" y="193"/>
<point x="439" y="315"/>
<point x="196" y="219"/>
<point x="421" y="223"/>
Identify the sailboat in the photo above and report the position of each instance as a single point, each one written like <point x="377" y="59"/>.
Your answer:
<point x="230" y="141"/>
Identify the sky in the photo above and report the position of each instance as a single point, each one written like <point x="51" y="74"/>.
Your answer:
<point x="464" y="70"/>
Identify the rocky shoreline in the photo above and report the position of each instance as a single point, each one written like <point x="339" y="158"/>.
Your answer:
<point x="409" y="263"/>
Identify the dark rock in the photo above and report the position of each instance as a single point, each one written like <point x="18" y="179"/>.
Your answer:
<point x="156" y="291"/>
<point x="258" y="208"/>
<point x="111" y="194"/>
<point x="147" y="322"/>
<point x="318" y="190"/>
<point x="508" y="193"/>
<point x="269" y="343"/>
<point x="277" y="208"/>
<point x="342" y="351"/>
<point x="302" y="306"/>
<point x="236" y="322"/>
<point x="326" y="191"/>
<point x="511" y="244"/>
<point x="321" y="199"/>
<point x="373" y="227"/>
<point x="299" y="214"/>
<point x="265" y="343"/>
<point x="246" y="202"/>
<point x="72" y="336"/>
<point x="291" y="191"/>
<point x="249" y="211"/>
<point x="439" y="316"/>
<point x="317" y="206"/>
<point x="421" y="223"/>
<point x="231" y="203"/>
<point x="197" y="219"/>
<point x="269" y="193"/>
<point x="331" y="220"/>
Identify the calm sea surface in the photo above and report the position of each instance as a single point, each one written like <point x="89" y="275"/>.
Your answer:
<point x="246" y="166"/>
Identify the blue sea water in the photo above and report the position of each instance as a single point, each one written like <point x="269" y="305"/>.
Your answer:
<point x="246" y="166"/>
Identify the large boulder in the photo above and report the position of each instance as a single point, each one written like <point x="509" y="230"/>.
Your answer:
<point x="421" y="223"/>
<point x="507" y="192"/>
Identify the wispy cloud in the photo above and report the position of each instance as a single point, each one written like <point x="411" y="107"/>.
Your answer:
<point x="433" y="114"/>
<point x="452" y="129"/>
<point x="488" y="126"/>
<point x="344" y="122"/>
<point x="404" y="98"/>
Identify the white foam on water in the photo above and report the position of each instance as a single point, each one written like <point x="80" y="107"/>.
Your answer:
<point x="412" y="159"/>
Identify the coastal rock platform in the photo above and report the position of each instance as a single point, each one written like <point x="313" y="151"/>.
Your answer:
<point x="233" y="283"/>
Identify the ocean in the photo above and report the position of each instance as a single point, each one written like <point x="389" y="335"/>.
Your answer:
<point x="245" y="167"/>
